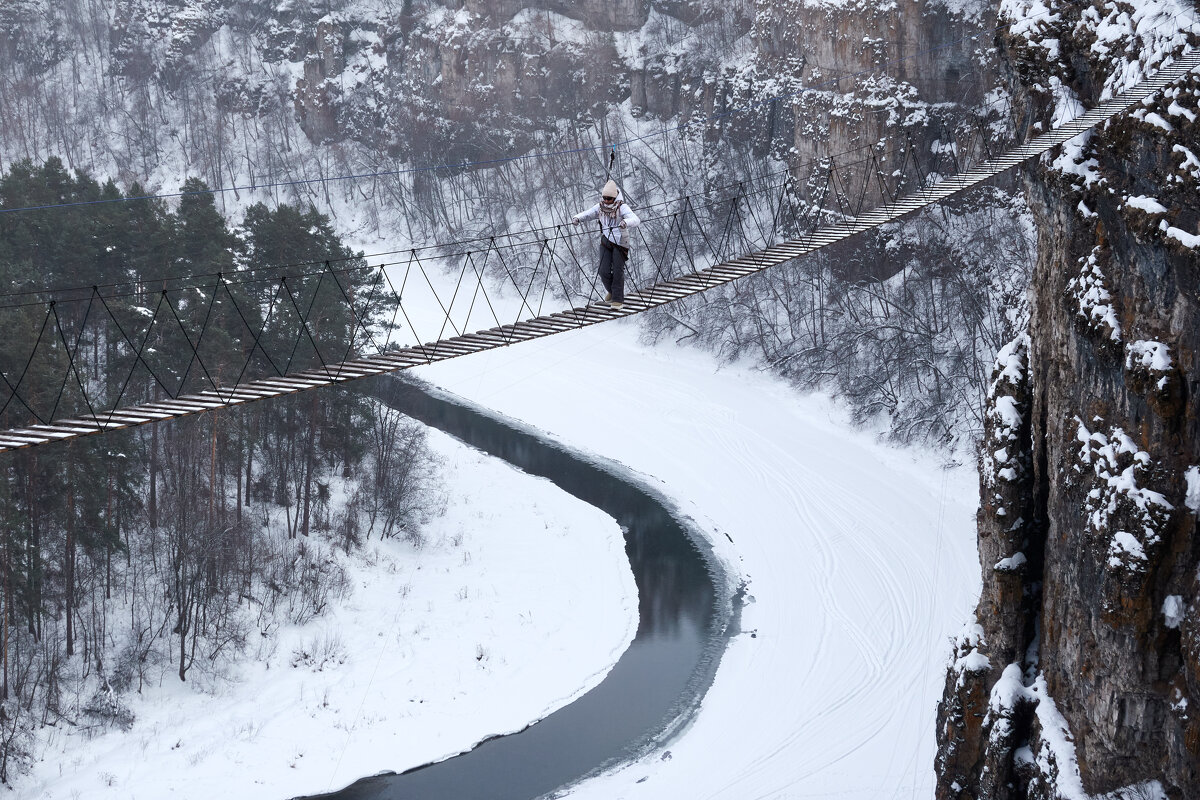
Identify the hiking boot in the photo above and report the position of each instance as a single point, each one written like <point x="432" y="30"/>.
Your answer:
<point x="608" y="297"/>
<point x="615" y="304"/>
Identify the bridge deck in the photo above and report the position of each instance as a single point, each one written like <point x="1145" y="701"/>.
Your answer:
<point x="584" y="316"/>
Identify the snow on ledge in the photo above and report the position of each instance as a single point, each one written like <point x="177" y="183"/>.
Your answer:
<point x="1056" y="757"/>
<point x="1148" y="354"/>
<point x="1173" y="610"/>
<point x="1181" y="236"/>
<point x="1191" y="478"/>
<point x="1124" y="545"/>
<point x="1147" y="790"/>
<point x="1147" y="204"/>
<point x="1011" y="564"/>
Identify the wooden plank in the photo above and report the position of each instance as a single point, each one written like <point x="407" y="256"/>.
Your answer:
<point x="231" y="396"/>
<point x="284" y="386"/>
<point x="250" y="393"/>
<point x="493" y="339"/>
<point x="540" y="327"/>
<point x="475" y="341"/>
<point x="449" y="346"/>
<point x="733" y="273"/>
<point x="66" y="427"/>
<point x="583" y="316"/>
<point x="180" y="408"/>
<point x="400" y="361"/>
<point x="512" y="334"/>
<point x="666" y="294"/>
<point x="36" y="437"/>
<point x="132" y="417"/>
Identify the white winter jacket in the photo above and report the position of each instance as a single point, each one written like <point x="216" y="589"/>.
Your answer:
<point x="611" y="228"/>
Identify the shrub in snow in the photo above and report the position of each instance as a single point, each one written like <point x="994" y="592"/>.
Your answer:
<point x="1093" y="300"/>
<point x="1005" y="451"/>
<point x="107" y="710"/>
<point x="326" y="649"/>
<point x="1120" y="500"/>
<point x="1151" y="370"/>
<point x="1127" y="518"/>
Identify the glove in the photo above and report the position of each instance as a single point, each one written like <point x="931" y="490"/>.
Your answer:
<point x="575" y="220"/>
<point x="623" y="224"/>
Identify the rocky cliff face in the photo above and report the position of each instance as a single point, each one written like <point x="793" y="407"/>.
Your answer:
<point x="1081" y="674"/>
<point x="254" y="92"/>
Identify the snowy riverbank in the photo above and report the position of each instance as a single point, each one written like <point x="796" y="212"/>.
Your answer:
<point x="520" y="600"/>
<point x="860" y="560"/>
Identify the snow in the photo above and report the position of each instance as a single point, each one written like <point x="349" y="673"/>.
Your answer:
<point x="1177" y="110"/>
<point x="1156" y="119"/>
<point x="1092" y="297"/>
<point x="1119" y="467"/>
<point x="1028" y="19"/>
<point x="1146" y="790"/>
<point x="1008" y="412"/>
<point x="1147" y="204"/>
<point x="1066" y="102"/>
<point x="859" y="561"/>
<point x="972" y="660"/>
<point x="1125" y="545"/>
<point x="1072" y="162"/>
<point x="1008" y="691"/>
<point x="1013" y="562"/>
<point x="1191" y="478"/>
<point x="1010" y="367"/>
<point x="1148" y="354"/>
<point x="1056" y="756"/>
<point x="856" y="585"/>
<point x="1133" y="40"/>
<point x="435" y="650"/>
<point x="1173" y="610"/>
<point x="1190" y="162"/>
<point x="1181" y="236"/>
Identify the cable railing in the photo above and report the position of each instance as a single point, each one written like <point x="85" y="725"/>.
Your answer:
<point x="100" y="359"/>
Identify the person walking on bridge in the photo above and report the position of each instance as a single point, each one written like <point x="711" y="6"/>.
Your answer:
<point x="615" y="219"/>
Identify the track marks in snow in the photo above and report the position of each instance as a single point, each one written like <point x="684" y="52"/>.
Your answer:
<point x="835" y="533"/>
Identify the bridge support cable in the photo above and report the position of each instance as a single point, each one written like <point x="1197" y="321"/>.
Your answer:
<point x="723" y="225"/>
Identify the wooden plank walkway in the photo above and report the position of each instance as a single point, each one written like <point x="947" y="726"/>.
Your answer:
<point x="584" y="316"/>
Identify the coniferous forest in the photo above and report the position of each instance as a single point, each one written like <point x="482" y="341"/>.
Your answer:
<point x="156" y="551"/>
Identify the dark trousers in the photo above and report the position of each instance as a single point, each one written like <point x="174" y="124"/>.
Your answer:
<point x="612" y="269"/>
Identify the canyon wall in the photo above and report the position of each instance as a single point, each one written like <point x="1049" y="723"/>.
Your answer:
<point x="1081" y="673"/>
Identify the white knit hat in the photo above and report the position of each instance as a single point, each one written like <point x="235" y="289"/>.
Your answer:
<point x="610" y="190"/>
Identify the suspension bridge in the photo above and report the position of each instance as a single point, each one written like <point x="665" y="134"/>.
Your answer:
<point x="840" y="199"/>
